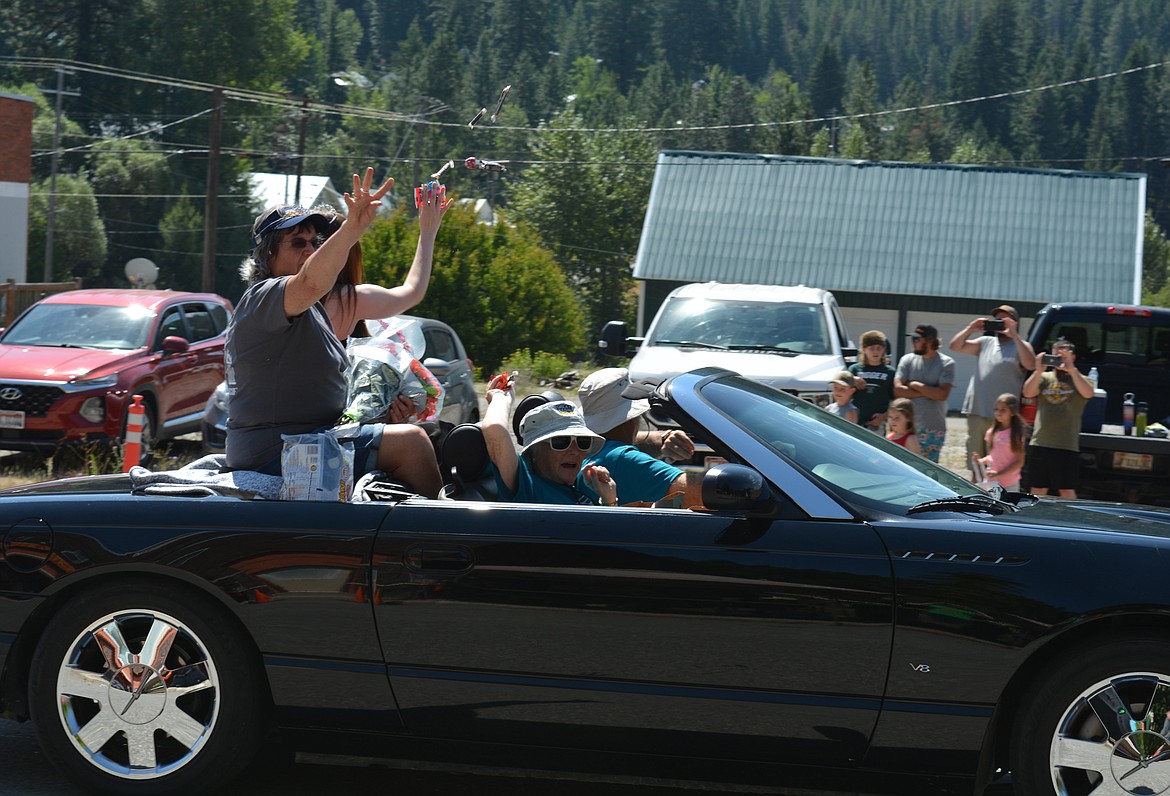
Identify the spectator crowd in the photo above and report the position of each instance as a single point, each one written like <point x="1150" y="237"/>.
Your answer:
<point x="908" y="402"/>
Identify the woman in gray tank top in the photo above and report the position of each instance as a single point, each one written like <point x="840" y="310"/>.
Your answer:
<point x="285" y="362"/>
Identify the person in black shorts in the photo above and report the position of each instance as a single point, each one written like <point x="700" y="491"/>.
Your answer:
<point x="1062" y="393"/>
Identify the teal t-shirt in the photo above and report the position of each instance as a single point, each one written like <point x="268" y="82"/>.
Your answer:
<point x="532" y="488"/>
<point x="639" y="476"/>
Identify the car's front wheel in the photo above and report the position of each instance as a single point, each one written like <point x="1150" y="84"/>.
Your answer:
<point x="136" y="691"/>
<point x="1097" y="723"/>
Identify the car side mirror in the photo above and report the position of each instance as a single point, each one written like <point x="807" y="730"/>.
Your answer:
<point x="175" y="345"/>
<point x="737" y="487"/>
<point x="614" y="342"/>
<point x="439" y="367"/>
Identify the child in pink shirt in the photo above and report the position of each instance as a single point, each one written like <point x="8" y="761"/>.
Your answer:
<point x="1005" y="444"/>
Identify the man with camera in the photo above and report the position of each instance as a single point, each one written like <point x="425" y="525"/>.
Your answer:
<point x="1063" y="392"/>
<point x="1005" y="359"/>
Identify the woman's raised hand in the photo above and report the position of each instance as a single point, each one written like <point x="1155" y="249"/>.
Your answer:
<point x="364" y="202"/>
<point x="432" y="202"/>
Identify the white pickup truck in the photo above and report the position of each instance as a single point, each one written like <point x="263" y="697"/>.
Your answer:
<point x="791" y="338"/>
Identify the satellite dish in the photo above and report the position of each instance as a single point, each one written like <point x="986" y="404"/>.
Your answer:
<point x="141" y="272"/>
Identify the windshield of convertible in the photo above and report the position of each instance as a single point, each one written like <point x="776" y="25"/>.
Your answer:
<point x="741" y="325"/>
<point x="81" y="326"/>
<point x="854" y="463"/>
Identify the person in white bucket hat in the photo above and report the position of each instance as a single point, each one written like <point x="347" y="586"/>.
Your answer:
<point x="550" y="465"/>
<point x="641" y="477"/>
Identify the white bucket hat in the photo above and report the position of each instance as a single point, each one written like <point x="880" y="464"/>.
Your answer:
<point x="555" y="419"/>
<point x="602" y="402"/>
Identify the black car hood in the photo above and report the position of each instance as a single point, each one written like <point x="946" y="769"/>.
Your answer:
<point x="1074" y="515"/>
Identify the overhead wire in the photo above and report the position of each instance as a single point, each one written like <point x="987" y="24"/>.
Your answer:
<point x="287" y="101"/>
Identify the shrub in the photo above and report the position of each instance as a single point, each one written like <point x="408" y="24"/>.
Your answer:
<point x="535" y="366"/>
<point x="495" y="286"/>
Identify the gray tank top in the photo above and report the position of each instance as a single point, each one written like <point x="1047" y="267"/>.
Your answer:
<point x="286" y="375"/>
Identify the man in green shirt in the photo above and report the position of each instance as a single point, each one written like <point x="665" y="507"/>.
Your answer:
<point x="1062" y="392"/>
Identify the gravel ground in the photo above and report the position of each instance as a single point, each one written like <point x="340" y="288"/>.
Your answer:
<point x="954" y="452"/>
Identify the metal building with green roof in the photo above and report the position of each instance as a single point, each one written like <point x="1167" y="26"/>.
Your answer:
<point x="897" y="243"/>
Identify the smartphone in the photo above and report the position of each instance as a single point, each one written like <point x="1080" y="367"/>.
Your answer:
<point x="1051" y="360"/>
<point x="993" y="325"/>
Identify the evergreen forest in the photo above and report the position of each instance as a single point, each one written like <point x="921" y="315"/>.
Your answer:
<point x="323" y="87"/>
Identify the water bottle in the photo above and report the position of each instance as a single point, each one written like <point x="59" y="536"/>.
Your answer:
<point x="1127" y="414"/>
<point x="1143" y="411"/>
<point x="1093" y="377"/>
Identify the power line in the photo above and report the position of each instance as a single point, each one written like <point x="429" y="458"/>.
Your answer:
<point x="154" y="129"/>
<point x="356" y="111"/>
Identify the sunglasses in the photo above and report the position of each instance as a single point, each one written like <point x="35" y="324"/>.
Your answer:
<point x="301" y="243"/>
<point x="562" y="443"/>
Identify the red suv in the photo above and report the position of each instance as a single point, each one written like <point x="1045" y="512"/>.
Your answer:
<point x="70" y="363"/>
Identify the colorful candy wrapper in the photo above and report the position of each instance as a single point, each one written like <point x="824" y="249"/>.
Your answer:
<point x="388" y="364"/>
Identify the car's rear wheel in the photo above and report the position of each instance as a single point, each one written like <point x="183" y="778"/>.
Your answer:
<point x="136" y="691"/>
<point x="1097" y="723"/>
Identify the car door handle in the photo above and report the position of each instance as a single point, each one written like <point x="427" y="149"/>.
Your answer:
<point x="439" y="558"/>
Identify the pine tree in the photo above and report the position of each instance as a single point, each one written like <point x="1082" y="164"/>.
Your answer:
<point x="989" y="66"/>
<point x="826" y="82"/>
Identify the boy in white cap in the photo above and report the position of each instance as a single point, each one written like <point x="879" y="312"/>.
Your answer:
<point x="640" y="477"/>
<point x="844" y="386"/>
<point x="549" y="468"/>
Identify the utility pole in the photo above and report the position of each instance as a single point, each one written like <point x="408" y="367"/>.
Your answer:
<point x="301" y="148"/>
<point x="61" y="92"/>
<point x="211" y="203"/>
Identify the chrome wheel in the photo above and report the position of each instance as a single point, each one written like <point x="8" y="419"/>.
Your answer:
<point x="1095" y="719"/>
<point x="138" y="694"/>
<point x="1114" y="739"/>
<point x="145" y="689"/>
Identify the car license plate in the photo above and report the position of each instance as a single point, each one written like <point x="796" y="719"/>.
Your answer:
<point x="11" y="419"/>
<point x="1140" y="462"/>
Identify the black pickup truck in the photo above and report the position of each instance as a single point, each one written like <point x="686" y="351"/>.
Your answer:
<point x="1130" y="348"/>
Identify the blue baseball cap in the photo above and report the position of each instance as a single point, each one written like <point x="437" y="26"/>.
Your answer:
<point x="285" y="216"/>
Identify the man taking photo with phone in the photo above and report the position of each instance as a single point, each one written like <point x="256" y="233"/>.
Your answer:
<point x="1005" y="359"/>
<point x="1053" y="459"/>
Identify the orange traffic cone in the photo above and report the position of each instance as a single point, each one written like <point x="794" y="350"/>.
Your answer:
<point x="132" y="450"/>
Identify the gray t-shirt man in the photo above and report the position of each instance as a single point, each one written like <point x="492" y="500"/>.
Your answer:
<point x="1004" y="360"/>
<point x="935" y="371"/>
<point x="285" y="375"/>
<point x="997" y="371"/>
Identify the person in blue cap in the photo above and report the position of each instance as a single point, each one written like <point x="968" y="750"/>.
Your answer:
<point x="285" y="360"/>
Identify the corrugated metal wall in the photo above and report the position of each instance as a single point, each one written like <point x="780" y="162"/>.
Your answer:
<point x="911" y="229"/>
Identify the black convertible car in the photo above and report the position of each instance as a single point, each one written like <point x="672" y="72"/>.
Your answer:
<point x="838" y="608"/>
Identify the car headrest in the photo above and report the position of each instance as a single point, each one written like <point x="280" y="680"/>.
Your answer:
<point x="464" y="451"/>
<point x="527" y="404"/>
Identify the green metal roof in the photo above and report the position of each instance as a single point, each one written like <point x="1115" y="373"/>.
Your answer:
<point x="925" y="229"/>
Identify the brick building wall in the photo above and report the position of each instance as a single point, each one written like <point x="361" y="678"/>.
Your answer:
<point x="16" y="115"/>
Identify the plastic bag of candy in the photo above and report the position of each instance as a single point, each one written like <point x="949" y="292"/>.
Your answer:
<point x="385" y="365"/>
<point x="316" y="467"/>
